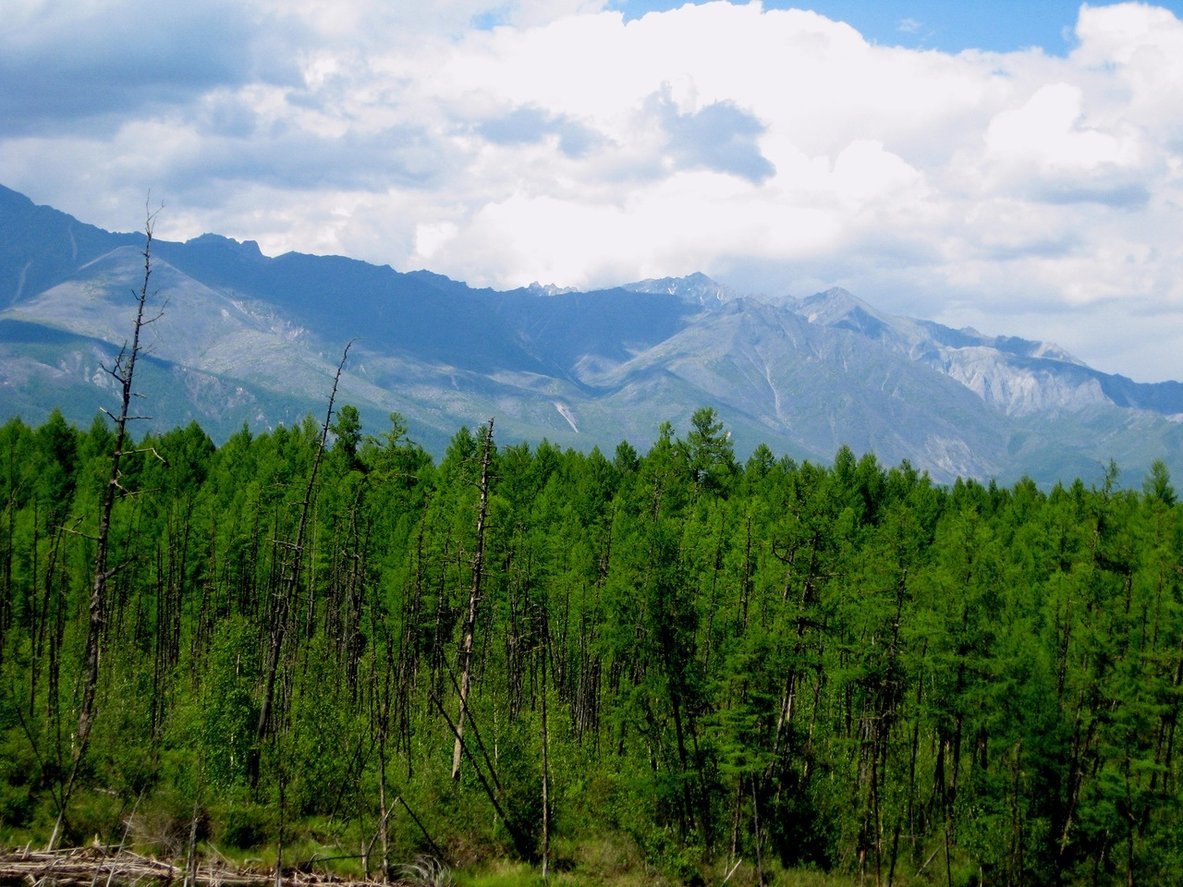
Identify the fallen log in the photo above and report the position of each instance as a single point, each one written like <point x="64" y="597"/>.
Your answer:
<point x="88" y="866"/>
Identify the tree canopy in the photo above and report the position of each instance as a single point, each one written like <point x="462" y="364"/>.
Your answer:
<point x="842" y="667"/>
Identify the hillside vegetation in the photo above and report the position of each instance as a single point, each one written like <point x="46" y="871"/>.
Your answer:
<point x="671" y="662"/>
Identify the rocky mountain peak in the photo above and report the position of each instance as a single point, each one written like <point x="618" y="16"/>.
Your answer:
<point x="837" y="307"/>
<point x="695" y="288"/>
<point x="246" y="248"/>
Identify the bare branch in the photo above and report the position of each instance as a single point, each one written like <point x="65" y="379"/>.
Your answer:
<point x="71" y="531"/>
<point x="154" y="452"/>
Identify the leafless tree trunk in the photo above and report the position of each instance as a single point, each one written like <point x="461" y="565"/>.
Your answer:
<point x="289" y="583"/>
<point x="122" y="372"/>
<point x="545" y="745"/>
<point x="473" y="599"/>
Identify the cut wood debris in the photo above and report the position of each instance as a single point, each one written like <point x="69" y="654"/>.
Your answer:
<point x="99" y="865"/>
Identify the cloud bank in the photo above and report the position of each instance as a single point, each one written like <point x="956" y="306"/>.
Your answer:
<point x="503" y="143"/>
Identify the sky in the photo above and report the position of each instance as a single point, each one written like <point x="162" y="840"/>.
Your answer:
<point x="1015" y="167"/>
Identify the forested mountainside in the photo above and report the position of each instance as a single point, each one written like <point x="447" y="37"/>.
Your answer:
<point x="671" y="660"/>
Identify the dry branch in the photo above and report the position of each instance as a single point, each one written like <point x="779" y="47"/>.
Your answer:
<point x="94" y="865"/>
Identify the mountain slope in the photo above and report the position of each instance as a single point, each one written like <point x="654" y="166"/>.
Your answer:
<point x="243" y="337"/>
<point x="1017" y="375"/>
<point x="40" y="247"/>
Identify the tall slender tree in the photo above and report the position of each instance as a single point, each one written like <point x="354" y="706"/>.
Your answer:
<point x="123" y="372"/>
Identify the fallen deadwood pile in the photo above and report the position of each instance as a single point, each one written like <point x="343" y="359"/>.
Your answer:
<point x="98" y="867"/>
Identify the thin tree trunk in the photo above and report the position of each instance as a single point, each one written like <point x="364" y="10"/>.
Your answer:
<point x="545" y="748"/>
<point x="473" y="599"/>
<point x="123" y="372"/>
<point x="290" y="581"/>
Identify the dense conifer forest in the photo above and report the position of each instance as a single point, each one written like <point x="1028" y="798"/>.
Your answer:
<point x="317" y="637"/>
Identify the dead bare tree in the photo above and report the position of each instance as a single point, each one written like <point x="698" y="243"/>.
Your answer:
<point x="474" y="598"/>
<point x="123" y="372"/>
<point x="290" y="581"/>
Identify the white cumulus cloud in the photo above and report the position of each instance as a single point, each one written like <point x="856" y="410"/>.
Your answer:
<point x="521" y="140"/>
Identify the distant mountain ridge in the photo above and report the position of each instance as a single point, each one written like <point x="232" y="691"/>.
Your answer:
<point x="1018" y="375"/>
<point x="247" y="338"/>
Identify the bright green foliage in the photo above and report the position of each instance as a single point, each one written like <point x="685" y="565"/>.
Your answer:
<point x="840" y="667"/>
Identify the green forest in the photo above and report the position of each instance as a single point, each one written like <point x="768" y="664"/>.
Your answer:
<point x="316" y="642"/>
<point x="319" y="648"/>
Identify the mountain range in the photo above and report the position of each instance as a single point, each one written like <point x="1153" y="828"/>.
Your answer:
<point x="243" y="338"/>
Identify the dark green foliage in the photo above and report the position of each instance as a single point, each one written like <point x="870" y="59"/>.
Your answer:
<point x="843" y="667"/>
